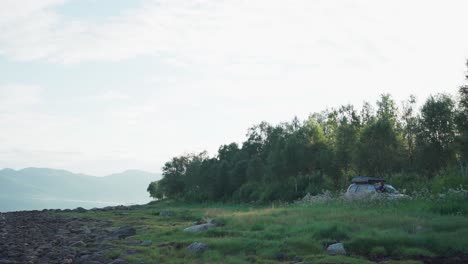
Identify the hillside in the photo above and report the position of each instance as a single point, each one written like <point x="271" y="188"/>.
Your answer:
<point x="38" y="188"/>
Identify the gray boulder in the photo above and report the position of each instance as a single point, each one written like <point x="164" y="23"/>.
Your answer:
<point x="80" y="210"/>
<point x="146" y="243"/>
<point x="197" y="247"/>
<point x="166" y="213"/>
<point x="123" y="232"/>
<point x="336" y="249"/>
<point x="201" y="227"/>
<point x="78" y="244"/>
<point x="118" y="261"/>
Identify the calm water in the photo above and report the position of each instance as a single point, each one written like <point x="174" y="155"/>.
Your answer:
<point x="8" y="205"/>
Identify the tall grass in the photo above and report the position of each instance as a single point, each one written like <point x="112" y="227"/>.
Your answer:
<point x="426" y="225"/>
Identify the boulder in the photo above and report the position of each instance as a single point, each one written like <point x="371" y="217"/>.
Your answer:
<point x="146" y="243"/>
<point x="123" y="232"/>
<point x="78" y="244"/>
<point x="166" y="213"/>
<point x="280" y="256"/>
<point x="118" y="261"/>
<point x="80" y="210"/>
<point x="197" y="247"/>
<point x="336" y="249"/>
<point x="201" y="227"/>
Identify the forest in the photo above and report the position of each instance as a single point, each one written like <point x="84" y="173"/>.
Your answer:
<point x="414" y="146"/>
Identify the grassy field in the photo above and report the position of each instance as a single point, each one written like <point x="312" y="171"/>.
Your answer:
<point x="408" y="231"/>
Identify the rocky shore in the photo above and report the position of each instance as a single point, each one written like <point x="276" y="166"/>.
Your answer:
<point x="51" y="237"/>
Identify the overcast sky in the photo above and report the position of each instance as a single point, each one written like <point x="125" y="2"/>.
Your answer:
<point x="100" y="86"/>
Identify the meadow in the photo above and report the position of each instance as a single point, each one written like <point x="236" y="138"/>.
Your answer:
<point x="424" y="229"/>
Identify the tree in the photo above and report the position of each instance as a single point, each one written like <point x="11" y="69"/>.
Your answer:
<point x="155" y="190"/>
<point x="461" y="120"/>
<point x="436" y="133"/>
<point x="347" y="134"/>
<point x="367" y="114"/>
<point x="172" y="183"/>
<point x="409" y="127"/>
<point x="379" y="149"/>
<point x="386" y="109"/>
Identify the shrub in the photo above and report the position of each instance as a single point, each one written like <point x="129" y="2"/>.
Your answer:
<point x="452" y="202"/>
<point x="333" y="232"/>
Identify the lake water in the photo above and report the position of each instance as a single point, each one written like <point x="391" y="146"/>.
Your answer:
<point x="9" y="205"/>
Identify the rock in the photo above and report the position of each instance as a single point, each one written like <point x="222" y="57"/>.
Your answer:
<point x="280" y="256"/>
<point x="121" y="213"/>
<point x="5" y="261"/>
<point x="41" y="237"/>
<point x="216" y="222"/>
<point x="201" y="227"/>
<point x="132" y="242"/>
<point x="123" y="232"/>
<point x="197" y="247"/>
<point x="175" y="245"/>
<point x="131" y="251"/>
<point x="78" y="244"/>
<point x="146" y="243"/>
<point x="84" y="259"/>
<point x="166" y="213"/>
<point x="118" y="261"/>
<point x="336" y="249"/>
<point x="80" y="210"/>
<point x="297" y="259"/>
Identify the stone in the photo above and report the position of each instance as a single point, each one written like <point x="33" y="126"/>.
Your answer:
<point x="146" y="243"/>
<point x="123" y="232"/>
<point x="78" y="244"/>
<point x="201" y="227"/>
<point x="216" y="222"/>
<point x="197" y="247"/>
<point x="297" y="259"/>
<point x="131" y="251"/>
<point x="336" y="249"/>
<point x="80" y="210"/>
<point x="280" y="256"/>
<point x="118" y="261"/>
<point x="166" y="213"/>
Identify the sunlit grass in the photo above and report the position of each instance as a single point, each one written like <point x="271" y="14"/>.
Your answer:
<point x="399" y="230"/>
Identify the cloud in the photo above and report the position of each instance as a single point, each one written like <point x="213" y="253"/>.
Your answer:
<point x="211" y="68"/>
<point x="210" y="32"/>
<point x="110" y="96"/>
<point x="17" y="97"/>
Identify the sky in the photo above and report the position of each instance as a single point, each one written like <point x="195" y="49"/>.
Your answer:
<point x="101" y="86"/>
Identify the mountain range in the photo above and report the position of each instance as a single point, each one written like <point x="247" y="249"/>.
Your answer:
<point x="43" y="188"/>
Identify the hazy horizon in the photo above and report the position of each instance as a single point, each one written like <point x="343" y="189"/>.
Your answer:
<point x="99" y="87"/>
<point x="78" y="172"/>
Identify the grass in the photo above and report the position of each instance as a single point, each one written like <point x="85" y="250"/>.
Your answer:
<point x="394" y="231"/>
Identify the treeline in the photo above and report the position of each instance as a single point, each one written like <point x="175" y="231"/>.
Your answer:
<point x="413" y="148"/>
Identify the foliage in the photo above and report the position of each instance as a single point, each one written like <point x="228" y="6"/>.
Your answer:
<point x="284" y="162"/>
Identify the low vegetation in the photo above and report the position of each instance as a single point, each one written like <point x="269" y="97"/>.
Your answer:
<point x="423" y="228"/>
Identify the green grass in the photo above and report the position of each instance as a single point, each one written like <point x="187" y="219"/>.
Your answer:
<point x="395" y="231"/>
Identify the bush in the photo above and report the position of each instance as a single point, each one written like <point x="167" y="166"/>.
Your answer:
<point x="378" y="252"/>
<point x="333" y="232"/>
<point x="449" y="178"/>
<point x="248" y="193"/>
<point x="452" y="202"/>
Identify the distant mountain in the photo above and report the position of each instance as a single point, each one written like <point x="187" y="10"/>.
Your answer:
<point x="38" y="188"/>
